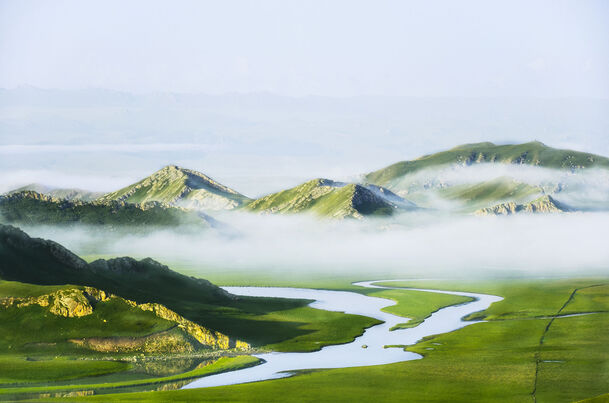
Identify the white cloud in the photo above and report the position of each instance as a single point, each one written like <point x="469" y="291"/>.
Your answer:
<point x="127" y="148"/>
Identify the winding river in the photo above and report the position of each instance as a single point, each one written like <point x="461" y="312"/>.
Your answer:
<point x="279" y="365"/>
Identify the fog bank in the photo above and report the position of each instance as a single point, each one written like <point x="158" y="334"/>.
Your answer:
<point x="414" y="244"/>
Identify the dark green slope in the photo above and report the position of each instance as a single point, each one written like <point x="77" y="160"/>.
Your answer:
<point x="533" y="153"/>
<point x="39" y="261"/>
<point x="43" y="262"/>
<point x="31" y="208"/>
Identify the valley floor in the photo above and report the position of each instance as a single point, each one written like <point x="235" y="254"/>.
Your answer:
<point x="547" y="341"/>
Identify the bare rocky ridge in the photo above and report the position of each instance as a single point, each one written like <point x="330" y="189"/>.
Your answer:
<point x="545" y="204"/>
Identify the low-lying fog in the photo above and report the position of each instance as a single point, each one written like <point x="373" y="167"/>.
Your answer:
<point x="415" y="243"/>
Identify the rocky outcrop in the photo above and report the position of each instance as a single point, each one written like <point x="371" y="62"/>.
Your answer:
<point x="69" y="303"/>
<point x="545" y="204"/>
<point x="78" y="302"/>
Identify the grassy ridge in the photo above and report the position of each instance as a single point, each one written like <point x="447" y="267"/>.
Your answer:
<point x="533" y="153"/>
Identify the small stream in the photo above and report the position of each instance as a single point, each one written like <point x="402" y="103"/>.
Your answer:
<point x="279" y="365"/>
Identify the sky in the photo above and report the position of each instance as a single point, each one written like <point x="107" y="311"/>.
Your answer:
<point x="265" y="95"/>
<point x="470" y="48"/>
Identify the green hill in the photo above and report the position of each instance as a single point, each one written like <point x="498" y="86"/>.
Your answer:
<point x="544" y="204"/>
<point x="533" y="153"/>
<point x="328" y="198"/>
<point x="181" y="187"/>
<point x="31" y="208"/>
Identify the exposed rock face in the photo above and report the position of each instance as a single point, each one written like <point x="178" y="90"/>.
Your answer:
<point x="545" y="204"/>
<point x="69" y="303"/>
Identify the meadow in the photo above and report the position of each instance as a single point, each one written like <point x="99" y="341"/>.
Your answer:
<point x="527" y="349"/>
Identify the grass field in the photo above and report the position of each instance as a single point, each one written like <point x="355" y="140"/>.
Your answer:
<point x="524" y="352"/>
<point x="223" y="364"/>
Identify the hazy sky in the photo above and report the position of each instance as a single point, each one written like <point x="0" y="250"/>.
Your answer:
<point x="338" y="48"/>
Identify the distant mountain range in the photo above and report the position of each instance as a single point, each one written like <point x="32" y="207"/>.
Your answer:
<point x="400" y="187"/>
<point x="59" y="193"/>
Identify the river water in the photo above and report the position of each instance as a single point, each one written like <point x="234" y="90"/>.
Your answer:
<point x="375" y="338"/>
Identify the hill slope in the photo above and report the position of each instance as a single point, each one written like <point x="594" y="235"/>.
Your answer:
<point x="533" y="153"/>
<point x="544" y="204"/>
<point x="182" y="187"/>
<point x="32" y="208"/>
<point x="331" y="199"/>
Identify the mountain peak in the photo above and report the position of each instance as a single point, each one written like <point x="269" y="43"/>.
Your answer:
<point x="329" y="198"/>
<point x="182" y="187"/>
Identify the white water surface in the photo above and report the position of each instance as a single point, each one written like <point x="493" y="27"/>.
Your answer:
<point x="279" y="365"/>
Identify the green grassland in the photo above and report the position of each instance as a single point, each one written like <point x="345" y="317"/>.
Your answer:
<point x="416" y="305"/>
<point x="511" y="357"/>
